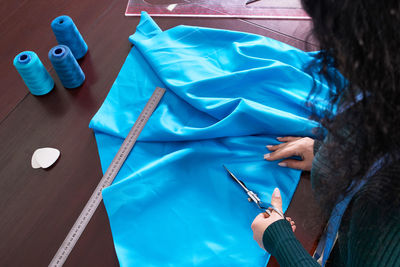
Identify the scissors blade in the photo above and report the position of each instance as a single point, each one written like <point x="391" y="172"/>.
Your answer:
<point x="252" y="196"/>
<point x="237" y="180"/>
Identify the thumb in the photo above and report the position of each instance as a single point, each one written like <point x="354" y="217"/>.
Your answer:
<point x="276" y="199"/>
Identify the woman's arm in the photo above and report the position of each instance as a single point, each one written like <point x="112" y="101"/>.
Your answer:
<point x="280" y="242"/>
<point x="275" y="234"/>
<point x="272" y="232"/>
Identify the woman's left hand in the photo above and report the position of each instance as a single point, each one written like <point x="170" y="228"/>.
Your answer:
<point x="293" y="146"/>
<point x="263" y="220"/>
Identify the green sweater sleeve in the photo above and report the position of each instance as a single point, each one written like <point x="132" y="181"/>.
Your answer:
<point x="279" y="241"/>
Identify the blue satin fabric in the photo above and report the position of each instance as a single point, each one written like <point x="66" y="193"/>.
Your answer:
<point x="228" y="95"/>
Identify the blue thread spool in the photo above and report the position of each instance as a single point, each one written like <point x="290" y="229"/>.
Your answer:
<point x="67" y="34"/>
<point x="66" y="66"/>
<point x="34" y="74"/>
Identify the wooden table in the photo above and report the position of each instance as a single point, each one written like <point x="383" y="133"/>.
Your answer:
<point x="38" y="207"/>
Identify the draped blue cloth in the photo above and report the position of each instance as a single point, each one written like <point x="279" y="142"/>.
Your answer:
<point x="228" y="95"/>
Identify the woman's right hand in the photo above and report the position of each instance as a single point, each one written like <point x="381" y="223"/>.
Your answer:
<point x="293" y="146"/>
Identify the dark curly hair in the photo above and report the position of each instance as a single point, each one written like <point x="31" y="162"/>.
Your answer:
<point x="360" y="38"/>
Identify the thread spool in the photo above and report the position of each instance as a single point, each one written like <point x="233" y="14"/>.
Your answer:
<point x="34" y="74"/>
<point x="66" y="66"/>
<point x="67" y="34"/>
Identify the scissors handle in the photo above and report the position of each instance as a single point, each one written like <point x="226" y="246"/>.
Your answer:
<point x="276" y="210"/>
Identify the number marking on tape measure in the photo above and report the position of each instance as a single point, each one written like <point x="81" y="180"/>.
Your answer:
<point x="112" y="171"/>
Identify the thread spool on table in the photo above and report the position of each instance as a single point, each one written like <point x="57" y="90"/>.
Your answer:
<point x="66" y="66"/>
<point x="34" y="74"/>
<point x="68" y="34"/>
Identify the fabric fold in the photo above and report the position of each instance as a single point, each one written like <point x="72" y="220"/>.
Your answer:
<point x="228" y="95"/>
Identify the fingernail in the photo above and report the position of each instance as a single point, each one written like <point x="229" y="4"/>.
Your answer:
<point x="279" y="138"/>
<point x="269" y="146"/>
<point x="277" y="193"/>
<point x="267" y="156"/>
<point x="282" y="164"/>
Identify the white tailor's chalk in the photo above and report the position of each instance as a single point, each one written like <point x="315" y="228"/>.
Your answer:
<point x="34" y="163"/>
<point x="171" y="7"/>
<point x="45" y="157"/>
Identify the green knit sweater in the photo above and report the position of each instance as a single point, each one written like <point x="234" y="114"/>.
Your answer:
<point x="367" y="236"/>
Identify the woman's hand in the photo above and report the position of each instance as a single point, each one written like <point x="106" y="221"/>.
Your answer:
<point x="263" y="220"/>
<point x="293" y="146"/>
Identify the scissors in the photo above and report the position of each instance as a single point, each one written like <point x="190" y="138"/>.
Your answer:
<point x="254" y="198"/>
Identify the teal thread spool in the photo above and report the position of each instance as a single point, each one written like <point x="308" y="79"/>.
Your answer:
<point x="34" y="74"/>
<point x="66" y="66"/>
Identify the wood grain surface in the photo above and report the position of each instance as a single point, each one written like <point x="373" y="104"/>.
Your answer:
<point x="37" y="206"/>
